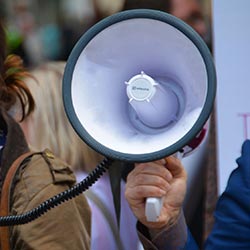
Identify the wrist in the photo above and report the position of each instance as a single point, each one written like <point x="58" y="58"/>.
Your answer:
<point x="172" y="236"/>
<point x="154" y="231"/>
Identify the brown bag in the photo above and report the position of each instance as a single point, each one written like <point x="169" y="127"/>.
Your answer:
<point x="5" y="199"/>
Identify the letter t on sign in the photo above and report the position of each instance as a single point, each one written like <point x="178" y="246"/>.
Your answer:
<point x="245" y="117"/>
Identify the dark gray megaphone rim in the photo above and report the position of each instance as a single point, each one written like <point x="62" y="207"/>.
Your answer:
<point x="89" y="35"/>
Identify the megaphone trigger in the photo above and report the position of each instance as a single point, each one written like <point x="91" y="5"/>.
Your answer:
<point x="153" y="208"/>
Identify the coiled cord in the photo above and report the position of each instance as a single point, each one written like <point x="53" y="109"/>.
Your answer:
<point x="57" y="199"/>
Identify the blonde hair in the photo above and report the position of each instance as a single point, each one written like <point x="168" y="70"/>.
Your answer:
<point x="48" y="126"/>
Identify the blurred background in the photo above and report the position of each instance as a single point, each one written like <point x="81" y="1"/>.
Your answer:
<point x="41" y="30"/>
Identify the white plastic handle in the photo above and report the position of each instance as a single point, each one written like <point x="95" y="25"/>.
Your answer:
<point x="153" y="208"/>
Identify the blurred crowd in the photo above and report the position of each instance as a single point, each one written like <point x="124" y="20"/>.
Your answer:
<point x="47" y="30"/>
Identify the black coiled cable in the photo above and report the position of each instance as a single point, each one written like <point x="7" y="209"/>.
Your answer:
<point x="57" y="199"/>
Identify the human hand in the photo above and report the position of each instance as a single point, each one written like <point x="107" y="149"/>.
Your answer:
<point x="164" y="178"/>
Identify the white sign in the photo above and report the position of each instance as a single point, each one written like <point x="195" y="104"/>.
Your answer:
<point x="231" y="34"/>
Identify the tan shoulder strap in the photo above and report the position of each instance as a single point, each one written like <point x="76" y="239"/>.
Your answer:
<point x="5" y="199"/>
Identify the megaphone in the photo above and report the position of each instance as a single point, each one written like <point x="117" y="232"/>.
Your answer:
<point x="139" y="85"/>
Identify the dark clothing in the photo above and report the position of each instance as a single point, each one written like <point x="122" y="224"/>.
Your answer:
<point x="175" y="238"/>
<point x="231" y="230"/>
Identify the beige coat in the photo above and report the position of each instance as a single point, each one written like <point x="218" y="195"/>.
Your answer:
<point x="64" y="227"/>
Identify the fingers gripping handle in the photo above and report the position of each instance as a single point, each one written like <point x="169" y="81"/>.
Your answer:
<point x="154" y="204"/>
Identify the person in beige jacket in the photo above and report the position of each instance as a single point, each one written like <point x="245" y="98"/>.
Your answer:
<point x="39" y="177"/>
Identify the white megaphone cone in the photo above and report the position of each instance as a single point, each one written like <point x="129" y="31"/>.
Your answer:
<point x="139" y="86"/>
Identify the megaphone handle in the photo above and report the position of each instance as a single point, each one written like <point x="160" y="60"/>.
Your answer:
<point x="154" y="204"/>
<point x="153" y="208"/>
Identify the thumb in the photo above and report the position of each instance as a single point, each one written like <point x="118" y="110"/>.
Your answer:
<point x="175" y="166"/>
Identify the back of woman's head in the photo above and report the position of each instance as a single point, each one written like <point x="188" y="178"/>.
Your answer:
<point x="163" y="5"/>
<point x="108" y="7"/>
<point x="48" y="126"/>
<point x="13" y="89"/>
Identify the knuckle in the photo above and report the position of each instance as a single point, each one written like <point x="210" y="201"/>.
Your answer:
<point x="140" y="191"/>
<point x="139" y="179"/>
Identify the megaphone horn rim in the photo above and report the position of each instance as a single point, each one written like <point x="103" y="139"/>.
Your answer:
<point x="90" y="34"/>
